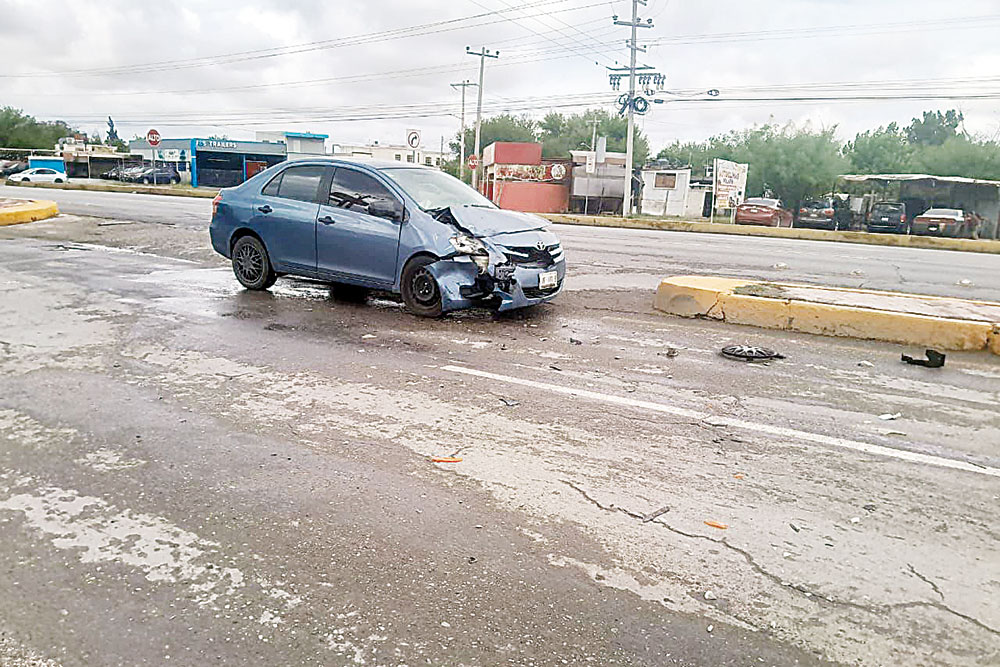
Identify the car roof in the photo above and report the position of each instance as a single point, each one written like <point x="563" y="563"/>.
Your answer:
<point x="362" y="162"/>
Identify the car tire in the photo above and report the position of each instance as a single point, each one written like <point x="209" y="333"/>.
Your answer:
<point x="26" y="180"/>
<point x="251" y="265"/>
<point x="421" y="292"/>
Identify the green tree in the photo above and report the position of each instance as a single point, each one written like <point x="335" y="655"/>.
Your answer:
<point x="960" y="156"/>
<point x="695" y="154"/>
<point x="934" y="128"/>
<point x="19" y="130"/>
<point x="885" y="150"/>
<point x="560" y="134"/>
<point x="504" y="127"/>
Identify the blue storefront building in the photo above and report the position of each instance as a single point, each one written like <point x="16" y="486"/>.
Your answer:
<point x="216" y="163"/>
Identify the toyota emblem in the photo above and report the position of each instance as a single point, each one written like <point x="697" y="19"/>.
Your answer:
<point x="540" y="246"/>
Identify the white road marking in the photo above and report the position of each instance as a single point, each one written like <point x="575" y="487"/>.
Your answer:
<point x="715" y="420"/>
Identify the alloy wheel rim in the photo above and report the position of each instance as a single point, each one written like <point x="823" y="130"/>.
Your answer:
<point x="249" y="263"/>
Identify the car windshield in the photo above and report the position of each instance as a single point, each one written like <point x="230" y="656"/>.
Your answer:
<point x="435" y="189"/>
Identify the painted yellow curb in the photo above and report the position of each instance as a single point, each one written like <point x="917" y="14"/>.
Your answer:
<point x="864" y="238"/>
<point x="716" y="298"/>
<point x="137" y="189"/>
<point x="29" y="211"/>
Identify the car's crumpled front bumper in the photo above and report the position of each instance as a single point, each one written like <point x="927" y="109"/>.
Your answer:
<point x="463" y="286"/>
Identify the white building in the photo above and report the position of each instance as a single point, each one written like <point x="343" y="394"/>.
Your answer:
<point x="391" y="152"/>
<point x="298" y="145"/>
<point x="669" y="192"/>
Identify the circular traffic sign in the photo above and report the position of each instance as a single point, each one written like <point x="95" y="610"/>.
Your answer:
<point x="473" y="162"/>
<point x="413" y="139"/>
<point x="153" y="138"/>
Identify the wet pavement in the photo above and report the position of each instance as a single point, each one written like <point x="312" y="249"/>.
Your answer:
<point x="191" y="473"/>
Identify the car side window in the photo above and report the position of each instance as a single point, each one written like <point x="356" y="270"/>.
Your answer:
<point x="300" y="183"/>
<point x="271" y="189"/>
<point x="353" y="190"/>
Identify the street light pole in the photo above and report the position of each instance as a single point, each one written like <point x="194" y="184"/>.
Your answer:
<point x="461" y="142"/>
<point x="483" y="54"/>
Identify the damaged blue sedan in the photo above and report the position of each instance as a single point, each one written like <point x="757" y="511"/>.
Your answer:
<point x="407" y="229"/>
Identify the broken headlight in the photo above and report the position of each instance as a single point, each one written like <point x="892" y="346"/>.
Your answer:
<point x="467" y="245"/>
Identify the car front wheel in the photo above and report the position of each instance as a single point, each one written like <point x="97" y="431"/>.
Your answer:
<point x="25" y="180"/>
<point x="251" y="264"/>
<point x="420" y="289"/>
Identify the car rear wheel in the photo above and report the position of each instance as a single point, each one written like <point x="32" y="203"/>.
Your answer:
<point x="25" y="180"/>
<point x="420" y="289"/>
<point x="59" y="180"/>
<point x="251" y="264"/>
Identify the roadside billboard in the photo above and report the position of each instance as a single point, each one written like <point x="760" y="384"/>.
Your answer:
<point x="730" y="185"/>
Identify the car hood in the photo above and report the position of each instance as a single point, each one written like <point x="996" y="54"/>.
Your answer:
<point x="487" y="222"/>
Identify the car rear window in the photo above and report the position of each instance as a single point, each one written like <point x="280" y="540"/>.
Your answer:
<point x="945" y="212"/>
<point x="301" y="183"/>
<point x="887" y="209"/>
<point x="760" y="201"/>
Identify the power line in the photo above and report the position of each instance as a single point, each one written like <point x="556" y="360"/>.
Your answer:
<point x="435" y="27"/>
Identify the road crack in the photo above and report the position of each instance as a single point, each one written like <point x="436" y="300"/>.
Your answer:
<point x="927" y="581"/>
<point x="759" y="569"/>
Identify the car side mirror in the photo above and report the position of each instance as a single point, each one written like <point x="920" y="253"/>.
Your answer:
<point x="386" y="208"/>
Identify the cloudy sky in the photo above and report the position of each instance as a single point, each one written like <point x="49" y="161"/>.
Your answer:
<point x="368" y="70"/>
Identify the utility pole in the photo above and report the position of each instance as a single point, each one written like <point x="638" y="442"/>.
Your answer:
<point x="461" y="142"/>
<point x="629" y="138"/>
<point x="483" y="54"/>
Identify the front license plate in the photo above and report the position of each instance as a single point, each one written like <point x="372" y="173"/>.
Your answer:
<point x="885" y="219"/>
<point x="548" y="280"/>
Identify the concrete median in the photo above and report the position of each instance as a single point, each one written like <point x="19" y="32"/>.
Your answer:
<point x="167" y="190"/>
<point x="910" y="319"/>
<point x="704" y="227"/>
<point x="17" y="211"/>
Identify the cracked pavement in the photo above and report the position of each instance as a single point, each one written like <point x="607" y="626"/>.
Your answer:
<point x="193" y="473"/>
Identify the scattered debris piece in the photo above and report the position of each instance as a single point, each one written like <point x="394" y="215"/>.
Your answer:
<point x="574" y="341"/>
<point x="716" y="524"/>
<point x="964" y="282"/>
<point x="472" y="559"/>
<point x="781" y="266"/>
<point x="738" y="475"/>
<point x="890" y="416"/>
<point x="870" y="507"/>
<point x="855" y="519"/>
<point x="446" y="459"/>
<point x="857" y="272"/>
<point x="786" y="554"/>
<point x="709" y="595"/>
<point x="368" y="336"/>
<point x="866" y="364"/>
<point x="750" y="353"/>
<point x="894" y="433"/>
<point x="652" y="515"/>
<point x="509" y="402"/>
<point x="710" y="628"/>
<point x="794" y="527"/>
<point x="934" y="359"/>
<point x="669" y="352"/>
<point x="554" y="367"/>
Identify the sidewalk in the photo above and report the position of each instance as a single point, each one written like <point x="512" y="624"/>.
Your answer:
<point x="911" y="319"/>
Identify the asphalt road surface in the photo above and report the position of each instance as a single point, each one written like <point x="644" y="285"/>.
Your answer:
<point x="193" y="474"/>
<point x="606" y="258"/>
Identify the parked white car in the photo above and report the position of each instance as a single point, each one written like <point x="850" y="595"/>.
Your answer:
<point x="39" y="175"/>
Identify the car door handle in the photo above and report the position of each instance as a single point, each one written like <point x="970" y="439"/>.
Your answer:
<point x="326" y="220"/>
<point x="264" y="209"/>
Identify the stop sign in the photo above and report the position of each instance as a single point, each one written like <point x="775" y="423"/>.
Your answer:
<point x="473" y="162"/>
<point x="153" y="138"/>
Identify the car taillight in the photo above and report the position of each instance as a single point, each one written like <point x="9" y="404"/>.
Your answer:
<point x="215" y="204"/>
<point x="902" y="218"/>
<point x="802" y="210"/>
<point x="828" y="212"/>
